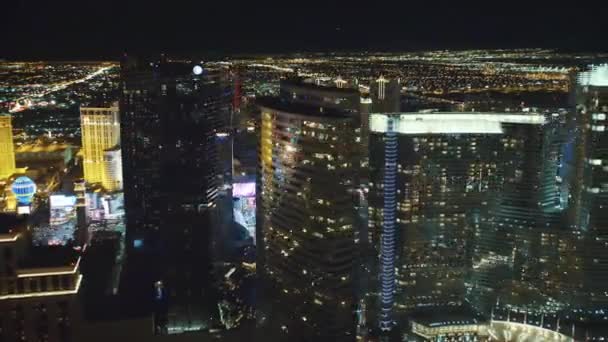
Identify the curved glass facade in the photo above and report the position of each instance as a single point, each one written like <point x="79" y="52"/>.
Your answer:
<point x="308" y="163"/>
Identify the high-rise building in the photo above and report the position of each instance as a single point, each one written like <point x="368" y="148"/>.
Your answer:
<point x="514" y="244"/>
<point x="430" y="175"/>
<point x="538" y="248"/>
<point x="7" y="149"/>
<point x="307" y="217"/>
<point x="386" y="95"/>
<point x="39" y="287"/>
<point x="171" y="113"/>
<point x="100" y="130"/>
<point x="586" y="273"/>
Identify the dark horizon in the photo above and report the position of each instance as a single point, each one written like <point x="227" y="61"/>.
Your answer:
<point x="75" y="30"/>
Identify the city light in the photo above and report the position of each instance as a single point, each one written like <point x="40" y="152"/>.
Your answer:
<point x="317" y="194"/>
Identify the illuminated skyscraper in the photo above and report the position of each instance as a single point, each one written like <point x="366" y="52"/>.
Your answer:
<point x="100" y="127"/>
<point x="386" y="95"/>
<point x="430" y="174"/>
<point x="307" y="215"/>
<point x="171" y="114"/>
<point x="7" y="149"/>
<point x="587" y="271"/>
<point x="514" y="246"/>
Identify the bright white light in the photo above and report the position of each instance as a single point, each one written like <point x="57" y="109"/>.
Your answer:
<point x="197" y="70"/>
<point x="451" y="123"/>
<point x="23" y="210"/>
<point x="597" y="76"/>
<point x="595" y="161"/>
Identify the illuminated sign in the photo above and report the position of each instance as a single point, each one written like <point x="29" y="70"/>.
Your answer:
<point x="23" y="210"/>
<point x="243" y="189"/>
<point x="450" y="123"/>
<point x="61" y="201"/>
<point x="63" y="211"/>
<point x="597" y="76"/>
<point x="244" y="206"/>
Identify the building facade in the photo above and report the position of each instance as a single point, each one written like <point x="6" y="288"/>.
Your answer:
<point x="39" y="287"/>
<point x="587" y="271"/>
<point x="431" y="174"/>
<point x="170" y="115"/>
<point x="385" y="94"/>
<point x="100" y="130"/>
<point x="112" y="169"/>
<point x="307" y="217"/>
<point x="514" y="252"/>
<point x="7" y="148"/>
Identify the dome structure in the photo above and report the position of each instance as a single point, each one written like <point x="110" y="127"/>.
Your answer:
<point x="24" y="189"/>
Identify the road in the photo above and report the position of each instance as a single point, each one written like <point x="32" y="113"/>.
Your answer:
<point x="56" y="87"/>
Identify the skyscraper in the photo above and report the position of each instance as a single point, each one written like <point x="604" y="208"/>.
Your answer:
<point x="100" y="127"/>
<point x="170" y="114"/>
<point x="514" y="245"/>
<point x="430" y="174"/>
<point x="386" y="95"/>
<point x="7" y="149"/>
<point x="307" y="215"/>
<point x="587" y="273"/>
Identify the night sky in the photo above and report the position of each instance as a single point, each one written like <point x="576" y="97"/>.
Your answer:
<point x="104" y="29"/>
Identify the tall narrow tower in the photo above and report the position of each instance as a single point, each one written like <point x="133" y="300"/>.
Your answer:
<point x="82" y="230"/>
<point x="386" y="95"/>
<point x="7" y="150"/>
<point x="171" y="115"/>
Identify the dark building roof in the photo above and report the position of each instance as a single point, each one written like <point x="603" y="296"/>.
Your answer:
<point x="50" y="256"/>
<point x="9" y="222"/>
<point x="283" y="105"/>
<point x="456" y="316"/>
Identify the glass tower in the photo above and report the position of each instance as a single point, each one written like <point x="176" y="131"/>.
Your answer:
<point x="307" y="214"/>
<point x="427" y="191"/>
<point x="587" y="274"/>
<point x="170" y="115"/>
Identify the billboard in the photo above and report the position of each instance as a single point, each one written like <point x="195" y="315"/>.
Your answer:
<point x="63" y="208"/>
<point x="23" y="210"/>
<point x="243" y="190"/>
<point x="104" y="207"/>
<point x="243" y="195"/>
<point x="59" y="200"/>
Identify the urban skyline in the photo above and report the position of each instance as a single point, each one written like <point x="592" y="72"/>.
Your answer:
<point x="437" y="195"/>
